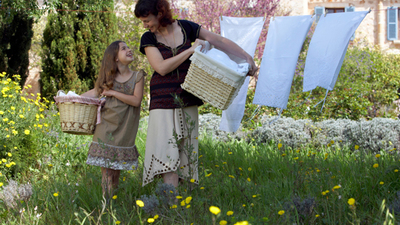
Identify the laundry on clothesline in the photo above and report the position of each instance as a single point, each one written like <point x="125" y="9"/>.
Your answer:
<point x="245" y="32"/>
<point x="328" y="48"/>
<point x="282" y="48"/>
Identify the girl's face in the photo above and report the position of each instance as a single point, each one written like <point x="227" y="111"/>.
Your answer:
<point x="125" y="55"/>
<point x="150" y="22"/>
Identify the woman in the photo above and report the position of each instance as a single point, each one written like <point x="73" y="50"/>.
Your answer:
<point x="167" y="46"/>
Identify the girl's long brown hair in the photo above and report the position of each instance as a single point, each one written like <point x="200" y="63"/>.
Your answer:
<point x="108" y="69"/>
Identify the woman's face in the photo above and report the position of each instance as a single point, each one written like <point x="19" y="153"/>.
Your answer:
<point x="150" y="22"/>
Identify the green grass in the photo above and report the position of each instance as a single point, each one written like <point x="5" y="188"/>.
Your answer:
<point x="260" y="184"/>
<point x="253" y="181"/>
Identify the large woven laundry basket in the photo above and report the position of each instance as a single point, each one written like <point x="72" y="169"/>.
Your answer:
<point x="212" y="81"/>
<point x="78" y="114"/>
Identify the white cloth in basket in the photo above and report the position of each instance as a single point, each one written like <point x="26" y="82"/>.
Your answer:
<point x="70" y="93"/>
<point x="223" y="58"/>
<point x="328" y="47"/>
<point x="285" y="38"/>
<point x="219" y="69"/>
<point x="245" y="32"/>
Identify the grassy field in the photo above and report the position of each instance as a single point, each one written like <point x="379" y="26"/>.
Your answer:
<point x="240" y="182"/>
<point x="260" y="184"/>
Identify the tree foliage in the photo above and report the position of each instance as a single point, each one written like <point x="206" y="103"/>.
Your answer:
<point x="16" y="23"/>
<point x="74" y="40"/>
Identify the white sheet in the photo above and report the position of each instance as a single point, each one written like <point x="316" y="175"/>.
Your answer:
<point x="245" y="32"/>
<point x="285" y="38"/>
<point x="328" y="47"/>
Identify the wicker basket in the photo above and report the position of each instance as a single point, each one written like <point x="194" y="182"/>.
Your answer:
<point x="77" y="114"/>
<point x="211" y="81"/>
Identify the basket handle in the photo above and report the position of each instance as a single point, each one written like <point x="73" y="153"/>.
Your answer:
<point x="60" y="91"/>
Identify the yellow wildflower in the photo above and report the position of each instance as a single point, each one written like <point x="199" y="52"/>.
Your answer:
<point x="229" y="213"/>
<point x="378" y="155"/>
<point x="188" y="199"/>
<point x="139" y="203"/>
<point x="55" y="194"/>
<point x="242" y="223"/>
<point x="114" y="197"/>
<point x="223" y="222"/>
<point x="150" y="220"/>
<point x="375" y="165"/>
<point x="351" y="201"/>
<point x="214" y="210"/>
<point x="356" y="147"/>
<point x="281" y="212"/>
<point x="27" y="132"/>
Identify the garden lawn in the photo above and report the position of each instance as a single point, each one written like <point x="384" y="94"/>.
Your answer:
<point x="44" y="178"/>
<point x="260" y="184"/>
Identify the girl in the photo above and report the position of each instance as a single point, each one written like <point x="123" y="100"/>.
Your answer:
<point x="167" y="46"/>
<point x="113" y="146"/>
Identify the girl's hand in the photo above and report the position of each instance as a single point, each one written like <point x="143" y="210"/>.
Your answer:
<point x="109" y="93"/>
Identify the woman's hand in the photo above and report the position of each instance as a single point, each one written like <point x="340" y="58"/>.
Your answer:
<point x="197" y="43"/>
<point x="109" y="93"/>
<point x="253" y="68"/>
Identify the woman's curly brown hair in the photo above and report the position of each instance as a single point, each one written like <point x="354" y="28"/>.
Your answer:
<point x="145" y="7"/>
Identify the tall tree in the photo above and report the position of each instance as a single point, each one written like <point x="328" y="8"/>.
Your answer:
<point x="74" y="40"/>
<point x="16" y="23"/>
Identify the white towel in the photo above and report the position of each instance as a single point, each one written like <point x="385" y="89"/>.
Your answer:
<point x="328" y="47"/>
<point x="285" y="38"/>
<point x="223" y="58"/>
<point x="245" y="32"/>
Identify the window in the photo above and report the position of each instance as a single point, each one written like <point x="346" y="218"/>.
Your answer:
<point x="392" y="23"/>
<point x="334" y="10"/>
<point x="320" y="10"/>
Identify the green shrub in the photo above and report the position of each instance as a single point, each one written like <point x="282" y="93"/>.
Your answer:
<point x="24" y="122"/>
<point x="16" y="33"/>
<point x="74" y="44"/>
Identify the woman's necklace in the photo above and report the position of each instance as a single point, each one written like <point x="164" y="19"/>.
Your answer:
<point x="173" y="49"/>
